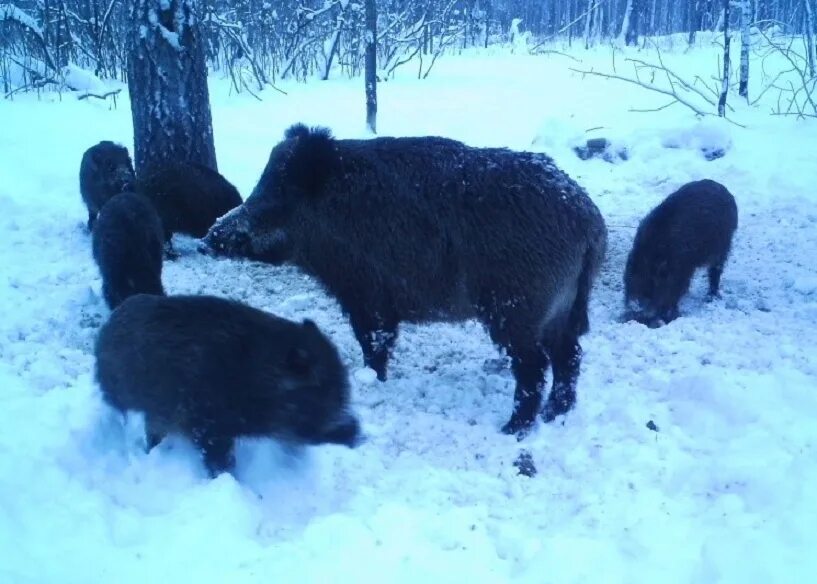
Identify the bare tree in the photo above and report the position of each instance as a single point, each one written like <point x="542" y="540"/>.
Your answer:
<point x="809" y="34"/>
<point x="630" y="25"/>
<point x="371" y="65"/>
<point x="167" y="75"/>
<point x="745" y="46"/>
<point x="726" y="61"/>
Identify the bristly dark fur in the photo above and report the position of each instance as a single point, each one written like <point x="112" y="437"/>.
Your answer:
<point x="213" y="370"/>
<point x="106" y="170"/>
<point x="429" y="229"/>
<point x="298" y="130"/>
<point x="313" y="158"/>
<point x="189" y="197"/>
<point x="691" y="228"/>
<point x="127" y="247"/>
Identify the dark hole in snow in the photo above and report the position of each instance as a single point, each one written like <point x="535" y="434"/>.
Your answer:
<point x="601" y="148"/>
<point x="651" y="425"/>
<point x="524" y="464"/>
<point x="713" y="153"/>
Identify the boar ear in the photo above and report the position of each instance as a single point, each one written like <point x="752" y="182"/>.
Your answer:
<point x="310" y="325"/>
<point x="298" y="360"/>
<point x="296" y="131"/>
<point x="312" y="161"/>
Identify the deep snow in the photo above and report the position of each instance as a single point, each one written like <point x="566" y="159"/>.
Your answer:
<point x="723" y="491"/>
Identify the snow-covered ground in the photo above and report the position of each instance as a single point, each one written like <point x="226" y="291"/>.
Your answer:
<point x="723" y="491"/>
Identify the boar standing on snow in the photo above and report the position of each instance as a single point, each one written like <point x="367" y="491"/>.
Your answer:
<point x="691" y="228"/>
<point x="213" y="370"/>
<point x="106" y="170"/>
<point x="189" y="197"/>
<point x="127" y="247"/>
<point x="429" y="229"/>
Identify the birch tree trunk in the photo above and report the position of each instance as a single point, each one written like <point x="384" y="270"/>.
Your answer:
<point x="726" y="63"/>
<point x="371" y="65"/>
<point x="588" y="19"/>
<point x="625" y="23"/>
<point x="745" y="45"/>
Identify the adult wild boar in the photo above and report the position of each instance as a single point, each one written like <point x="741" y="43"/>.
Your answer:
<point x="429" y="229"/>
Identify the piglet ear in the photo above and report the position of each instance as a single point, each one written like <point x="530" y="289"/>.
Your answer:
<point x="310" y="325"/>
<point x="298" y="361"/>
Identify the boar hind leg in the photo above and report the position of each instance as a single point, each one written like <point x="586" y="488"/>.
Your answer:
<point x="376" y="336"/>
<point x="529" y="365"/>
<point x="513" y="332"/>
<point x="566" y="356"/>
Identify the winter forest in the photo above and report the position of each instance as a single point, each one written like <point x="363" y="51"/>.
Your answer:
<point x="408" y="291"/>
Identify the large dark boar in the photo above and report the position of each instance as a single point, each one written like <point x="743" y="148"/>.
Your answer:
<point x="425" y="229"/>
<point x="691" y="228"/>
<point x="213" y="370"/>
<point x="189" y="197"/>
<point x="127" y="247"/>
<point x="106" y="170"/>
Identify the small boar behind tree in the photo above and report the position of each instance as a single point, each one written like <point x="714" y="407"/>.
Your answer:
<point x="214" y="370"/>
<point x="106" y="170"/>
<point x="429" y="229"/>
<point x="691" y="228"/>
<point x="189" y="197"/>
<point x="127" y="247"/>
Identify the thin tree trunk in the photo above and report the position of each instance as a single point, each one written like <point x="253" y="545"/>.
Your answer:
<point x="695" y="7"/>
<point x="634" y="28"/>
<point x="625" y="23"/>
<point x="745" y="45"/>
<point x="371" y="66"/>
<point x="726" y="63"/>
<point x="588" y="19"/>
<point x="810" y="37"/>
<point x="487" y="21"/>
<point x="167" y="81"/>
<point x="333" y="43"/>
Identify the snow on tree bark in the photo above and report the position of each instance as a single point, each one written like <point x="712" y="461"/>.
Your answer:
<point x="371" y="65"/>
<point x="167" y="81"/>
<point x="745" y="45"/>
<point x="726" y="62"/>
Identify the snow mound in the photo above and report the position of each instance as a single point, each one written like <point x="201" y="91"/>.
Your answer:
<point x="711" y="136"/>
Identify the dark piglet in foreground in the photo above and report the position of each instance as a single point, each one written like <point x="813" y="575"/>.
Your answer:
<point x="106" y="170"/>
<point x="690" y="229"/>
<point x="127" y="247"/>
<point x="213" y="370"/>
<point x="189" y="197"/>
<point x="429" y="229"/>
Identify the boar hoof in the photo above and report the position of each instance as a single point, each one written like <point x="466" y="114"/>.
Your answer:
<point x="518" y="427"/>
